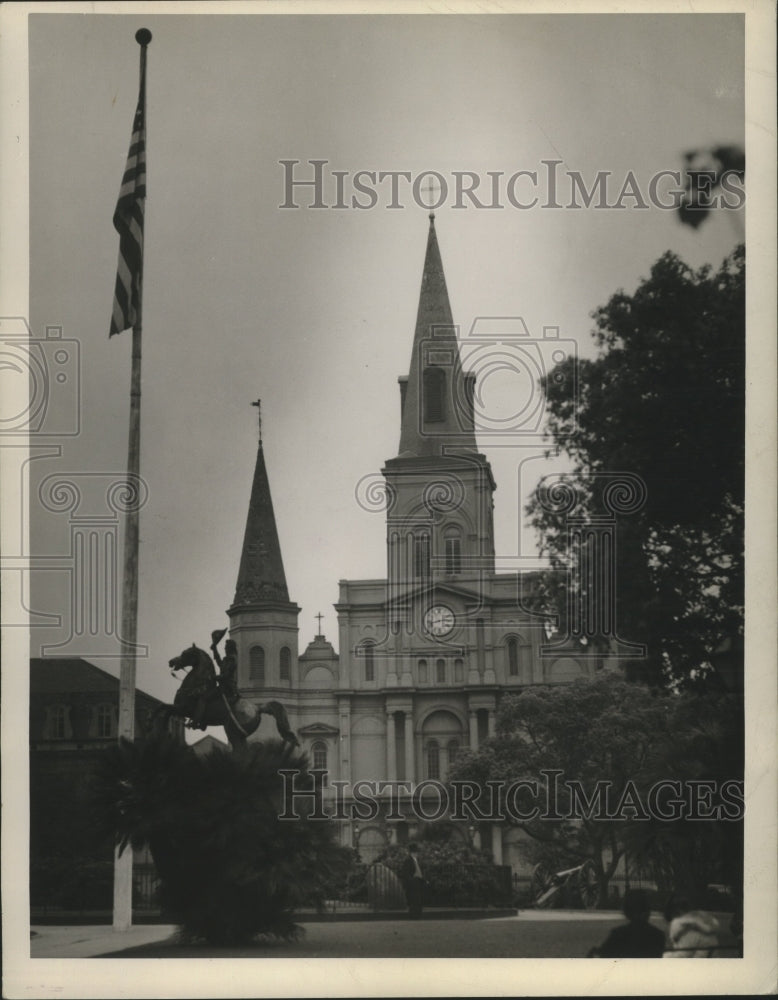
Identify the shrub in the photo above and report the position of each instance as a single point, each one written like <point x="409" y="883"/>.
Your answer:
<point x="455" y="873"/>
<point x="229" y="868"/>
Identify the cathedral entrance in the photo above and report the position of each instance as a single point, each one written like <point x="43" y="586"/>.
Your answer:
<point x="442" y="739"/>
<point x="371" y="842"/>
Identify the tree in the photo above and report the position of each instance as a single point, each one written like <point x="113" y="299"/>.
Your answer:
<point x="229" y="867"/>
<point x="689" y="852"/>
<point x="604" y="730"/>
<point x="663" y="401"/>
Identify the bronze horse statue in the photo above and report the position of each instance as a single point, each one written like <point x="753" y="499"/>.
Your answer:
<point x="202" y="696"/>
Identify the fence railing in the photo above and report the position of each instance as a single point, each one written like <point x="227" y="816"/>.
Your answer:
<point x="145" y="888"/>
<point x="57" y="886"/>
<point x="445" y="885"/>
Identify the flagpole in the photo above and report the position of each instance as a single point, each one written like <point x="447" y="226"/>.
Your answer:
<point x="122" y="881"/>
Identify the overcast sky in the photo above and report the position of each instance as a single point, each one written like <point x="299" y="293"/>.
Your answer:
<point x="314" y="310"/>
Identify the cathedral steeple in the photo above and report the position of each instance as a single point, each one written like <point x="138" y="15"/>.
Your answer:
<point x="439" y="524"/>
<point x="436" y="397"/>
<point x="263" y="621"/>
<point x="261" y="575"/>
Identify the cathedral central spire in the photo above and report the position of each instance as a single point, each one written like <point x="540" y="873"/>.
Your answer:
<point x="436" y="397"/>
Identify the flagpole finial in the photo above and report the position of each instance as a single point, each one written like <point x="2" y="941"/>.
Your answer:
<point x="143" y="36"/>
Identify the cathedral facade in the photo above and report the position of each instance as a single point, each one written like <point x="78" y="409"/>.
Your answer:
<point x="426" y="652"/>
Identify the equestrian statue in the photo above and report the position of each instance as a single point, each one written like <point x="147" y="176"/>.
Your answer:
<point x="207" y="699"/>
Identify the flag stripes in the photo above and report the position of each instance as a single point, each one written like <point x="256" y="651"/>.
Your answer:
<point x="128" y="222"/>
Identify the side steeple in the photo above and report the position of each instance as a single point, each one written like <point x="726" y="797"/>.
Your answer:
<point x="436" y="398"/>
<point x="261" y="575"/>
<point x="263" y="621"/>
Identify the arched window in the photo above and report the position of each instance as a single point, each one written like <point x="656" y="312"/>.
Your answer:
<point x="519" y="657"/>
<point x="369" y="655"/>
<point x="58" y="722"/>
<point x="319" y="755"/>
<point x="434" y="395"/>
<point x="433" y="759"/>
<point x="513" y="656"/>
<point x="440" y="671"/>
<point x="257" y="664"/>
<point x="459" y="671"/>
<point x="423" y="676"/>
<point x="285" y="665"/>
<point x="105" y="720"/>
<point x="442" y="735"/>
<point x="421" y="556"/>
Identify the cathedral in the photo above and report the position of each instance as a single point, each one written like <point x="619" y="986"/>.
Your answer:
<point x="425" y="653"/>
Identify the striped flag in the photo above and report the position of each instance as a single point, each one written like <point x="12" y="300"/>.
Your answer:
<point x="128" y="222"/>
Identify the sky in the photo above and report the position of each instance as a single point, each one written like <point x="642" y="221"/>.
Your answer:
<point x="313" y="310"/>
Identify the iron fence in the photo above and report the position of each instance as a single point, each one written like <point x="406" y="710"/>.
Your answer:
<point x="454" y="886"/>
<point x="145" y="888"/>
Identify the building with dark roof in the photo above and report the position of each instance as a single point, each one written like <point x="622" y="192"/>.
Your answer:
<point x="73" y="718"/>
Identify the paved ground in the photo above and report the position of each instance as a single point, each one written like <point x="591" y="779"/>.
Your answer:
<point x="530" y="934"/>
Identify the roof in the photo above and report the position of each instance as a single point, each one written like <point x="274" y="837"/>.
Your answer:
<point x="56" y="675"/>
<point x="207" y="745"/>
<point x="261" y="576"/>
<point x="319" y="648"/>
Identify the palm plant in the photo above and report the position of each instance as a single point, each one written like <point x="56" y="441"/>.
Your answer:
<point x="229" y="868"/>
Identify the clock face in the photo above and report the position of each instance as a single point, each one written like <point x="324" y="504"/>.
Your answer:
<point x="439" y="620"/>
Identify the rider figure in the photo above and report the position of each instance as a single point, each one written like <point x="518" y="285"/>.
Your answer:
<point x="228" y="667"/>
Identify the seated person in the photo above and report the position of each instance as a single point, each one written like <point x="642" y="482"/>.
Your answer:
<point x="635" y="939"/>
<point x="690" y="933"/>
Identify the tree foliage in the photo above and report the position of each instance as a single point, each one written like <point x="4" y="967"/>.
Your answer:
<point x="706" y="745"/>
<point x="625" y="738"/>
<point x="229" y="868"/>
<point x="605" y="730"/>
<point x="663" y="401"/>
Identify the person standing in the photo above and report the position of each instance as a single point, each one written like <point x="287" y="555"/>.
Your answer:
<point x="413" y="881"/>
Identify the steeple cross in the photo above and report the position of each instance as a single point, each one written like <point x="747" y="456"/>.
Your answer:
<point x="319" y="616"/>
<point x="258" y="404"/>
<point x="432" y="189"/>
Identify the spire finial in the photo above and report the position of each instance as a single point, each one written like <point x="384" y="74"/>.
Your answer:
<point x="319" y="616"/>
<point x="258" y="404"/>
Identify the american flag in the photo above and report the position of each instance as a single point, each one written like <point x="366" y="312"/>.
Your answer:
<point x="128" y="222"/>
